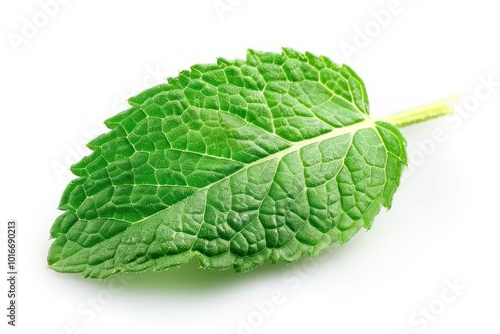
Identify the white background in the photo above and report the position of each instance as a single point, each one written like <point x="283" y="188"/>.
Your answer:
<point x="77" y="68"/>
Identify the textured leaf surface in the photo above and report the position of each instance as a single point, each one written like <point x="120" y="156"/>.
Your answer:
<point x="238" y="162"/>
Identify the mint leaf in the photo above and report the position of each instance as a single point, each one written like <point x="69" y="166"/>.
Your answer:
<point x="238" y="163"/>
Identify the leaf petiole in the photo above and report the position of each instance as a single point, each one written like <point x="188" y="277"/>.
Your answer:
<point x="423" y="113"/>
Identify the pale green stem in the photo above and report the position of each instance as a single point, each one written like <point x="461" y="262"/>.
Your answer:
<point x="422" y="113"/>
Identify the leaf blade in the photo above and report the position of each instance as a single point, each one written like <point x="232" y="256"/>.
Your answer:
<point x="160" y="196"/>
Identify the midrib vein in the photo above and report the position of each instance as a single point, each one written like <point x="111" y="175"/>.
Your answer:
<point x="353" y="128"/>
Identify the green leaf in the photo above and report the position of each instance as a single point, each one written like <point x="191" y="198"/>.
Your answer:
<point x="238" y="163"/>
